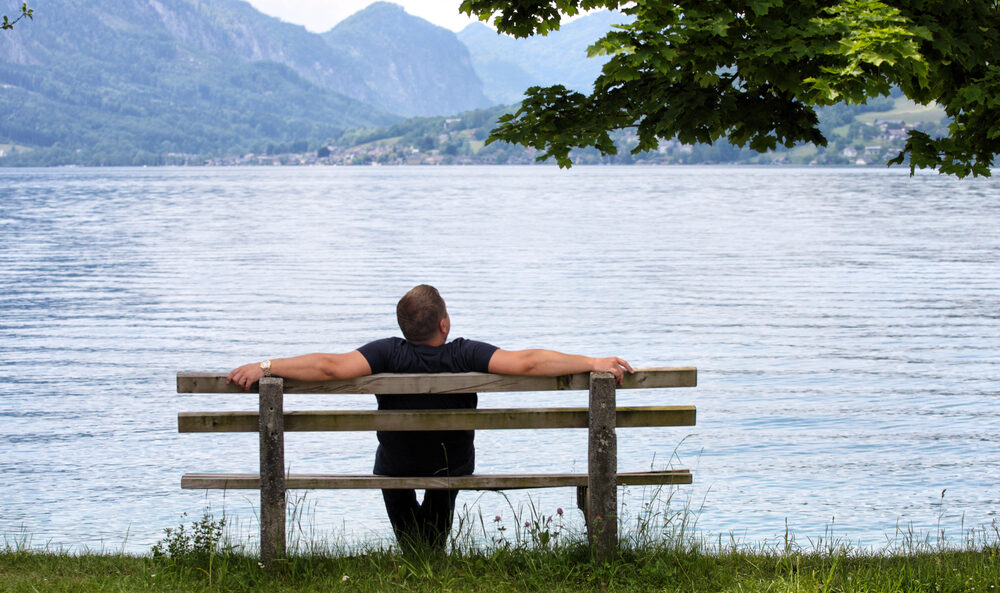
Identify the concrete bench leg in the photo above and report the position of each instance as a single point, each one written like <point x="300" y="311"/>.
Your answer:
<point x="272" y="470"/>
<point x="602" y="468"/>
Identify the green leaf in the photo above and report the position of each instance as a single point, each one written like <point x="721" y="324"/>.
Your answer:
<point x="754" y="72"/>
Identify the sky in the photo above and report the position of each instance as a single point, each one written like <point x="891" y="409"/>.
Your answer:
<point x="319" y="16"/>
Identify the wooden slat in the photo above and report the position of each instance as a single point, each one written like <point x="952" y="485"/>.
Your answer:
<point x="446" y="382"/>
<point x="486" y="419"/>
<point x="473" y="482"/>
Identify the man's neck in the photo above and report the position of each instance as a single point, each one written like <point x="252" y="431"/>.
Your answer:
<point x="438" y="340"/>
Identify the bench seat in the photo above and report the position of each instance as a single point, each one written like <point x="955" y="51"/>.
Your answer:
<point x="471" y="482"/>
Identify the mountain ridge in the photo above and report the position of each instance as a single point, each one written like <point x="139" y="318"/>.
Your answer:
<point x="149" y="78"/>
<point x="405" y="54"/>
<point x="94" y="86"/>
<point x="508" y="66"/>
<point x="88" y="85"/>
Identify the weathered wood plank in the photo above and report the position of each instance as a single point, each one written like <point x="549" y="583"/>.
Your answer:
<point x="272" y="469"/>
<point x="447" y="382"/>
<point x="473" y="482"/>
<point x="486" y="419"/>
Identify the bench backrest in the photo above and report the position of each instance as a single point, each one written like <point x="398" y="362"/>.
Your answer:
<point x="483" y="419"/>
<point x="384" y="383"/>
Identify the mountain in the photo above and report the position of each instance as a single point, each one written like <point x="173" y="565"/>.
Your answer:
<point x="83" y="83"/>
<point x="410" y="66"/>
<point x="87" y="83"/>
<point x="508" y="66"/>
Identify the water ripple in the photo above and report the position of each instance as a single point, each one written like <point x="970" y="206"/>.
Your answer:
<point x="846" y="324"/>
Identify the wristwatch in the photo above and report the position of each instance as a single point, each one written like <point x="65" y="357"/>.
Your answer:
<point x="266" y="367"/>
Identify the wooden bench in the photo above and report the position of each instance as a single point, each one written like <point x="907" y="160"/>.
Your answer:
<point x="596" y="490"/>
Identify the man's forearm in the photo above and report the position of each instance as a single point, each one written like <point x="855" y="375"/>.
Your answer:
<point x="548" y="363"/>
<point x="308" y="367"/>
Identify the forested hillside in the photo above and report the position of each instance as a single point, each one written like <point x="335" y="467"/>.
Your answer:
<point x="152" y="81"/>
<point x="857" y="134"/>
<point x="214" y="81"/>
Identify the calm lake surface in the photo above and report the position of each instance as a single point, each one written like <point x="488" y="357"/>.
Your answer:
<point x="845" y="324"/>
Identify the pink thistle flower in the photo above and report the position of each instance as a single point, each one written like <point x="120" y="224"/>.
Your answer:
<point x="559" y="511"/>
<point x="527" y="523"/>
<point x="496" y="519"/>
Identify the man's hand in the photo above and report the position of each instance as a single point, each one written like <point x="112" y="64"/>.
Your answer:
<point x="246" y="375"/>
<point x="614" y="365"/>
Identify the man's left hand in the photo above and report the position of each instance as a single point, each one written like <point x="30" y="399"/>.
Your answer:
<point x="246" y="375"/>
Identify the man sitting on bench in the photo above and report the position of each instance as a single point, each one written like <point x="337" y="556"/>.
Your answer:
<point x="424" y="348"/>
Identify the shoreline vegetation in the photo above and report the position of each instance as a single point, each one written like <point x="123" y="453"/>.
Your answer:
<point x="559" y="568"/>
<point x="660" y="553"/>
<point x="517" y="570"/>
<point x="858" y="135"/>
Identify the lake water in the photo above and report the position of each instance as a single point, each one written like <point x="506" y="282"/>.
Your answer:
<point x="845" y="324"/>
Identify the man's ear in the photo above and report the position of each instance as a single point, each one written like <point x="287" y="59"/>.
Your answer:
<point x="445" y="325"/>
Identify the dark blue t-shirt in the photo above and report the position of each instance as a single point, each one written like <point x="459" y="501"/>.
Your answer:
<point x="426" y="453"/>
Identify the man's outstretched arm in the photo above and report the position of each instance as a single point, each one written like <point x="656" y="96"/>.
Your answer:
<point x="308" y="367"/>
<point x="548" y="363"/>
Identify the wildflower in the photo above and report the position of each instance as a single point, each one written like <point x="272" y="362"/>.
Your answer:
<point x="496" y="519"/>
<point x="527" y="523"/>
<point x="344" y="578"/>
<point x="260" y="564"/>
<point x="559" y="511"/>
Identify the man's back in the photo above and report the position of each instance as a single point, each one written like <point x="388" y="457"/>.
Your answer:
<point x="426" y="453"/>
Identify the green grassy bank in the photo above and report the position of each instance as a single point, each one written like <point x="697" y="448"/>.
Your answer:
<point x="514" y="569"/>
<point x="511" y="571"/>
<point x="661" y="552"/>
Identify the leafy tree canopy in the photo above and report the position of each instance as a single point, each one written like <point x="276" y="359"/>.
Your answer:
<point x="25" y="12"/>
<point x="754" y="72"/>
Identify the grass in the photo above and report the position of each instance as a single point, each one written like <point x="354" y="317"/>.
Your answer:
<point x="379" y="142"/>
<point x="906" y="110"/>
<point x="18" y="147"/>
<point x="505" y="569"/>
<point x="659" y="552"/>
<point x="530" y="550"/>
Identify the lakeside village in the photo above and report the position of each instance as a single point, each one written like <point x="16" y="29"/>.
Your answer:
<point x="862" y="144"/>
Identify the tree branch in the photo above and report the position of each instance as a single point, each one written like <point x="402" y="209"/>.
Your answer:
<point x="25" y="12"/>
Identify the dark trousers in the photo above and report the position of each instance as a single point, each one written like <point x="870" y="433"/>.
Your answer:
<point x="424" y="524"/>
